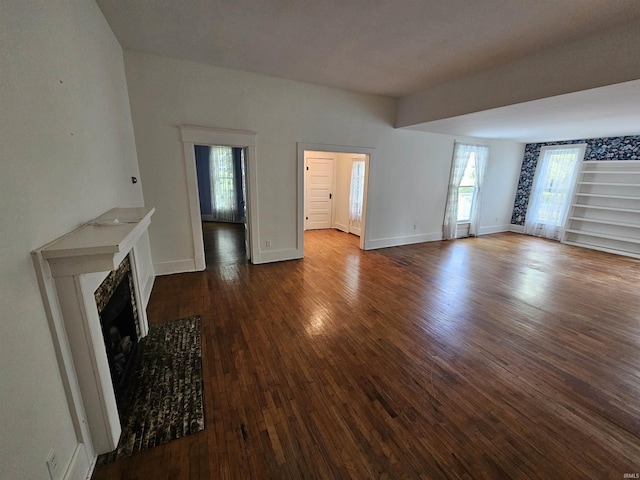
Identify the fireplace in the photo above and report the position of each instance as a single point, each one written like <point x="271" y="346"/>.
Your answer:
<point x="116" y="305"/>
<point x="95" y="283"/>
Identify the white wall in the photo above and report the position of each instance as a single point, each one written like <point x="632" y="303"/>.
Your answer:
<point x="408" y="178"/>
<point x="414" y="192"/>
<point x="68" y="152"/>
<point x="500" y="185"/>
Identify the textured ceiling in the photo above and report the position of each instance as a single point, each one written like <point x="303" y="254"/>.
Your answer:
<point x="389" y="47"/>
<point x="394" y="47"/>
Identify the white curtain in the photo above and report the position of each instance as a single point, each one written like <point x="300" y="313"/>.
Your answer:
<point x="357" y="191"/>
<point x="223" y="184"/>
<point x="482" y="155"/>
<point x="551" y="192"/>
<point x="461" y="154"/>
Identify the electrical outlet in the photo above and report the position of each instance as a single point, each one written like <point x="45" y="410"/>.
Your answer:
<point x="52" y="464"/>
<point x="268" y="242"/>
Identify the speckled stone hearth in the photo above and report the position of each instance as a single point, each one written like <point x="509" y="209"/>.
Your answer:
<point x="164" y="400"/>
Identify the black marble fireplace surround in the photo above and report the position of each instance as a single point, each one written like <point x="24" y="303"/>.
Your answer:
<point x="116" y="304"/>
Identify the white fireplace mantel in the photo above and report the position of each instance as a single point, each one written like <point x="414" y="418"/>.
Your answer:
<point x="99" y="245"/>
<point x="70" y="269"/>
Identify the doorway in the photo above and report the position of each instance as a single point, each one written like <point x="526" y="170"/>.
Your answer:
<point x="222" y="198"/>
<point x="335" y="181"/>
<point x="208" y="136"/>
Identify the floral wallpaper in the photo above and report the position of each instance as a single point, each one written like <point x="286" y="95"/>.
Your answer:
<point x="611" y="148"/>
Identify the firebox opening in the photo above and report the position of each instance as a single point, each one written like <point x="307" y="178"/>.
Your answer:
<point x="120" y="336"/>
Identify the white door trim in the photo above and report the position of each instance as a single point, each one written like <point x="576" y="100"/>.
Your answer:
<point x="368" y="179"/>
<point x="197" y="135"/>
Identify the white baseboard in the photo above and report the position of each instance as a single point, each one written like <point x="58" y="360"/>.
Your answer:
<point x="269" y="256"/>
<point x="406" y="240"/>
<point x="200" y="263"/>
<point x="341" y="227"/>
<point x="79" y="468"/>
<point x="176" y="266"/>
<point x="264" y="256"/>
<point x="516" y="228"/>
<point x="494" y="229"/>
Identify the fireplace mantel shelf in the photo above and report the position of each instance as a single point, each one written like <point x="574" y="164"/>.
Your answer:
<point x="70" y="269"/>
<point x="99" y="245"/>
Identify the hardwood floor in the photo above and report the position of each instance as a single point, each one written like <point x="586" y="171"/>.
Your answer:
<point x="504" y="356"/>
<point x="223" y="243"/>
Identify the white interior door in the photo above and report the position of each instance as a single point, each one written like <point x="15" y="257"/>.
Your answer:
<point x="319" y="176"/>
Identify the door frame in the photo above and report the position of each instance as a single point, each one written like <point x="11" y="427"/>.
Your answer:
<point x="365" y="242"/>
<point x="197" y="135"/>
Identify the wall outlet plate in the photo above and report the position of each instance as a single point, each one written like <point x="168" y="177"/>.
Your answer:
<point x="52" y="464"/>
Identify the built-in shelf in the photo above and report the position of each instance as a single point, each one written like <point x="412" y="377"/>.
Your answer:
<point x="99" y="245"/>
<point x="601" y="207"/>
<point x="602" y="249"/>
<point x="604" y="235"/>
<point x="605" y="212"/>
<point x="615" y="172"/>
<point x="605" y="222"/>
<point x="609" y="184"/>
<point x="604" y="195"/>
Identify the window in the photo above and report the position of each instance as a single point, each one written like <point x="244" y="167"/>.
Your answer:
<point x="551" y="192"/>
<point x="467" y="190"/>
<point x="357" y="190"/>
<point x="465" y="182"/>
<point x="224" y="194"/>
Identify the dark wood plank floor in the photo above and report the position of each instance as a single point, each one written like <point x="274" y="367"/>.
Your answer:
<point x="504" y="356"/>
<point x="223" y="243"/>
